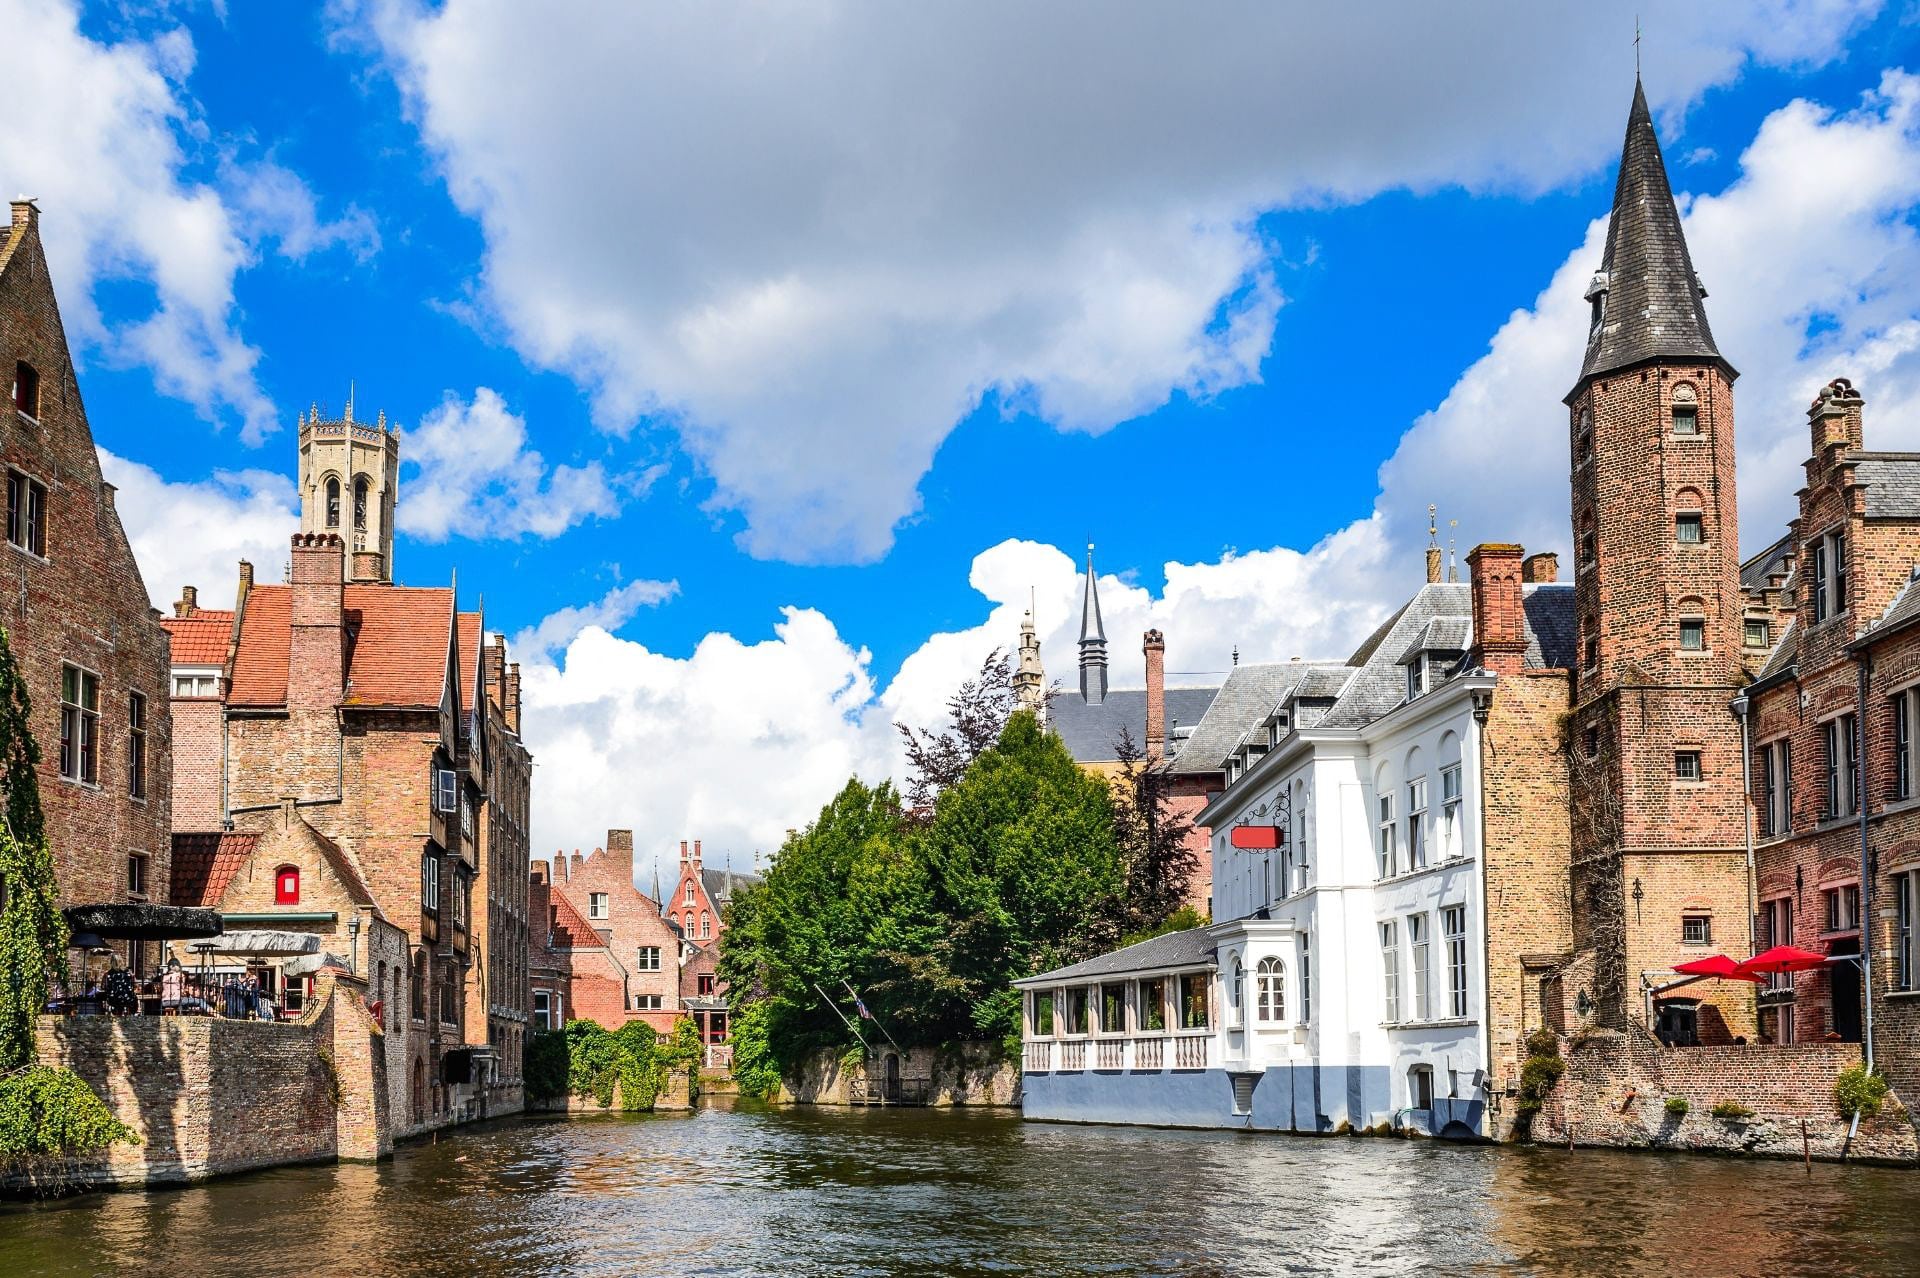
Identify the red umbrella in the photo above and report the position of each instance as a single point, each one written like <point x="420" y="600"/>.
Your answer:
<point x="1718" y="966"/>
<point x="1781" y="958"/>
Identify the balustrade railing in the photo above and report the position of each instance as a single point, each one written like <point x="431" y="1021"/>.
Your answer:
<point x="1187" y="1051"/>
<point x="1073" y="1055"/>
<point x="1110" y="1053"/>
<point x="1191" y="1053"/>
<point x="1149" y="1053"/>
<point x="1039" y="1057"/>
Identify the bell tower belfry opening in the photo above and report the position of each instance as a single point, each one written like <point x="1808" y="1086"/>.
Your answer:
<point x="349" y="482"/>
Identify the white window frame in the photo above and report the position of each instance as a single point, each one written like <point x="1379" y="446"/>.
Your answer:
<point x="1776" y="788"/>
<point x="1906" y="897"/>
<point x="1306" y="977"/>
<point x="1387" y="845"/>
<point x="1270" y="977"/>
<point x="80" y="724"/>
<point x="1417" y="824"/>
<point x="1420" y="942"/>
<point x="647" y="958"/>
<point x="1390" y="969"/>
<point x="1829" y="574"/>
<point x="1903" y="725"/>
<point x="1453" y="934"/>
<point x="27" y="502"/>
<point x="596" y="905"/>
<point x="1841" y="742"/>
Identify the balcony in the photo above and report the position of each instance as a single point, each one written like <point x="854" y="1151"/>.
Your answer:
<point x="1142" y="1054"/>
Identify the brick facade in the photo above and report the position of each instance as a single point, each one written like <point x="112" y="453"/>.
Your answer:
<point x="75" y="599"/>
<point x="600" y="888"/>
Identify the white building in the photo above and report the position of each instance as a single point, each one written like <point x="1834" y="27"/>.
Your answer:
<point x="1343" y="981"/>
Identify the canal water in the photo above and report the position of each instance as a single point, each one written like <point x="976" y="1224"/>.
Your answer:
<point x="742" y="1189"/>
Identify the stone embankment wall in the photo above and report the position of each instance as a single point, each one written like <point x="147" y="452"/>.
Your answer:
<point x="209" y="1096"/>
<point x="678" y="1096"/>
<point x="1617" y="1085"/>
<point x="977" y="1074"/>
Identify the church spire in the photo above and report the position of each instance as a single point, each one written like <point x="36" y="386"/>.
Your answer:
<point x="1093" y="641"/>
<point x="1646" y="297"/>
<point x="1029" y="679"/>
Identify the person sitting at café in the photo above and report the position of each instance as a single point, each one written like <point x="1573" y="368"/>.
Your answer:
<point x="175" y="998"/>
<point x="122" y="999"/>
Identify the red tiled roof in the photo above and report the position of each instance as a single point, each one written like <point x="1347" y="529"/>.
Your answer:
<point x="200" y="640"/>
<point x="570" y="931"/>
<point x="397" y="656"/>
<point x="466" y="667"/>
<point x="204" y="866"/>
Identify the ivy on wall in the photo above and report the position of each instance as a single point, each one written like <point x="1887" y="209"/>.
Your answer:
<point x="33" y="935"/>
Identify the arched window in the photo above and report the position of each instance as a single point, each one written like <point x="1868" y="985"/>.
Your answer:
<point x="1273" y="990"/>
<point x="1239" y="979"/>
<point x="333" y="501"/>
<point x="706" y="925"/>
<point x="286" y="885"/>
<point x="360" y="503"/>
<point x="689" y="891"/>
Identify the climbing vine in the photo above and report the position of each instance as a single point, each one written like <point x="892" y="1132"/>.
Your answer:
<point x="52" y="1111"/>
<point x="33" y="935"/>
<point x="632" y="1063"/>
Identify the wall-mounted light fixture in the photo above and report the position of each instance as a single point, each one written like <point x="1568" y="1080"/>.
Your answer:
<point x="1639" y="895"/>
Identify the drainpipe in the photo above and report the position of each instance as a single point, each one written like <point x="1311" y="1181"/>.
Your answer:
<point x="1741" y="707"/>
<point x="1482" y="700"/>
<point x="1864" y="662"/>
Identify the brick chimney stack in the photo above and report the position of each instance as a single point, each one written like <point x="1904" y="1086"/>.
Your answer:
<point x="539" y="870"/>
<point x="683" y="851"/>
<point x="574" y="868"/>
<point x="1154" y="645"/>
<point x="1541" y="568"/>
<point x="1499" y="618"/>
<point x="696" y="853"/>
<point x="25" y="213"/>
<point x="1838" y="418"/>
<point x="620" y="849"/>
<point x="512" y="708"/>
<point x="316" y="662"/>
<point x="188" y="602"/>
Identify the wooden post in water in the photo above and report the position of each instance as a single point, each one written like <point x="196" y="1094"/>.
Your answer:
<point x="1806" y="1148"/>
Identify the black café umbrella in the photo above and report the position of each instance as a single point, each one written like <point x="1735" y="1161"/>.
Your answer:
<point x="134" y="922"/>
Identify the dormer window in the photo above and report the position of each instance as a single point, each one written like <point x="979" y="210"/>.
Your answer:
<point x="1597" y="298"/>
<point x="1416" y="676"/>
<point x="1686" y="410"/>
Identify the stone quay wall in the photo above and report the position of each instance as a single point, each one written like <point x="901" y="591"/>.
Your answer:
<point x="977" y="1074"/>
<point x="678" y="1096"/>
<point x="208" y="1096"/>
<point x="1617" y="1084"/>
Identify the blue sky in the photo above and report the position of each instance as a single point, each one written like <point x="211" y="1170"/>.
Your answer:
<point x="426" y="203"/>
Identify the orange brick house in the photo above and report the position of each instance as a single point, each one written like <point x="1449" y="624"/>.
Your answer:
<point x="599" y="889"/>
<point x="88" y="643"/>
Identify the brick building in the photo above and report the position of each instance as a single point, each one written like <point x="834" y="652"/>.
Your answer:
<point x="573" y="972"/>
<point x="88" y="643"/>
<point x="600" y="889"/>
<point x="696" y="909"/>
<point x="369" y="737"/>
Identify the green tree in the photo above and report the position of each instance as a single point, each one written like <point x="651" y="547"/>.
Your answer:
<point x="1152" y="838"/>
<point x="977" y="713"/>
<point x="33" y="935"/>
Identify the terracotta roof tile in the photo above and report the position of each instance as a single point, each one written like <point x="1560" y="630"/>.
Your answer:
<point x="397" y="657"/>
<point x="570" y="931"/>
<point x="200" y="640"/>
<point x="204" y="866"/>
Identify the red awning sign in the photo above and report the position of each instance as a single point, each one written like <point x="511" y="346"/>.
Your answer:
<point x="1259" y="837"/>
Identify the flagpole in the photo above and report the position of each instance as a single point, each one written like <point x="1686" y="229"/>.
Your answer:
<point x="852" y="1028"/>
<point x="859" y="1002"/>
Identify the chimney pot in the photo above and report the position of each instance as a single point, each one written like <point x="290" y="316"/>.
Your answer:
<point x="1154" y="646"/>
<point x="1541" y="568"/>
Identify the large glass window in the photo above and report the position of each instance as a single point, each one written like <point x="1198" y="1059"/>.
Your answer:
<point x="1417" y="824"/>
<point x="1829" y="594"/>
<point x="430" y="883"/>
<point x="1153" y="1004"/>
<point x="1113" y="1009"/>
<point x="79" y="725"/>
<point x="1390" y="968"/>
<point x="1775" y="775"/>
<point x="1042" y="1013"/>
<point x="1450" y="813"/>
<point x="136" y="745"/>
<point x="1453" y="933"/>
<point x="1385" y="848"/>
<point x="1904" y="888"/>
<point x="1194" y="1001"/>
<point x="1903" y="706"/>
<point x="1419" y="941"/>
<point x="1272" y="980"/>
<point x="27" y="513"/>
<point x="649" y="959"/>
<point x="1077" y="1009"/>
<point x="1842" y="766"/>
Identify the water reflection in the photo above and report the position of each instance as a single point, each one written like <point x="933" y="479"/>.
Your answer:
<point x="748" y="1190"/>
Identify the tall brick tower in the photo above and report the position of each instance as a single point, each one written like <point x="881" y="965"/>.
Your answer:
<point x="1658" y="822"/>
<point x="349" y="482"/>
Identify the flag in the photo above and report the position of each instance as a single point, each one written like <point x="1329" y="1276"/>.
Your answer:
<point x="860" y="1006"/>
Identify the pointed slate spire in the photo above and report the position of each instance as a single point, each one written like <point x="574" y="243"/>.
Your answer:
<point x="1646" y="298"/>
<point x="1093" y="641"/>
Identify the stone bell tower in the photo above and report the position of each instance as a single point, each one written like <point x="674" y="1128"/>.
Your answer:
<point x="349" y="481"/>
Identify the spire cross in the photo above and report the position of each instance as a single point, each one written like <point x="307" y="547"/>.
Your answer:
<point x="1636" y="46"/>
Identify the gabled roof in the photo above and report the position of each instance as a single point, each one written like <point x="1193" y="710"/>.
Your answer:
<point x="1781" y="660"/>
<point x="1442" y="634"/>
<point x="204" y="866"/>
<point x="1089" y="730"/>
<point x="567" y="929"/>
<point x="200" y="640"/>
<point x="1194" y="947"/>
<point x="1653" y="306"/>
<point x="1776" y="560"/>
<point x="719" y="884"/>
<point x="1247" y="697"/>
<point x="397" y="651"/>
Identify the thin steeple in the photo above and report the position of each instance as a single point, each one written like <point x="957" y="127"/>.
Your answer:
<point x="1093" y="641"/>
<point x="1646" y="298"/>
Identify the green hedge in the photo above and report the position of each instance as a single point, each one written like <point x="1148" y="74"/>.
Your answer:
<point x="53" y="1111"/>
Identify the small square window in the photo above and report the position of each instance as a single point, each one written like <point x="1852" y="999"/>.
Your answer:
<point x="1693" y="634"/>
<point x="137" y="874"/>
<point x="1686" y="420"/>
<point x="1688" y="529"/>
<point x="1696" y="929"/>
<point x="1686" y="765"/>
<point x="26" y="389"/>
<point x="1759" y="633"/>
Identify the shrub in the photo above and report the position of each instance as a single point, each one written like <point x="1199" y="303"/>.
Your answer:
<point x="546" y="1065"/>
<point x="1543" y="1042"/>
<point x="1542" y="1072"/>
<point x="754" y="1069"/>
<point x="1732" y="1110"/>
<point x="1859" y="1091"/>
<point x="1677" y="1106"/>
<point x="53" y="1111"/>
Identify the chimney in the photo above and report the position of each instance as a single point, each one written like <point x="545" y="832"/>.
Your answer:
<point x="512" y="709"/>
<point x="620" y="849"/>
<point x="493" y="670"/>
<point x="1433" y="543"/>
<point x="1499" y="621"/>
<point x="1154" y="646"/>
<point x="559" y="867"/>
<point x="25" y="213"/>
<point x="1433" y="564"/>
<point x="1838" y="418"/>
<point x="683" y="851"/>
<point x="106" y="494"/>
<point x="573" y="869"/>
<point x="538" y="870"/>
<point x="1541" y="569"/>
<point x="696" y="852"/>
<point x="316" y="661"/>
<point x="188" y="601"/>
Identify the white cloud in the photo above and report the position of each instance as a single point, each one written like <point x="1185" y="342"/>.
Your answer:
<point x="95" y="131"/>
<point x="1819" y="225"/>
<point x="475" y="476"/>
<point x="821" y="233"/>
<point x="275" y="204"/>
<point x="195" y="533"/>
<point x="729" y="745"/>
<point x="611" y="611"/>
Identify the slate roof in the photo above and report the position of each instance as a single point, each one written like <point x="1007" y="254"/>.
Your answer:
<point x="1783" y="656"/>
<point x="200" y="640"/>
<point x="1247" y="697"/>
<point x="719" y="884"/>
<point x="204" y="866"/>
<point x="1442" y="634"/>
<point x="1893" y="484"/>
<point x="1774" y="561"/>
<point x="397" y="657"/>
<point x="1089" y="731"/>
<point x="1654" y="306"/>
<point x="1190" y="948"/>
